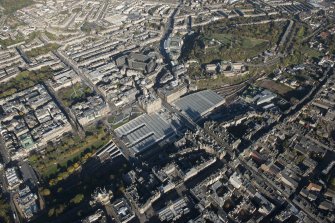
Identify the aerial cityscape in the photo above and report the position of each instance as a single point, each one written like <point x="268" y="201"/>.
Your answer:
<point x="186" y="111"/>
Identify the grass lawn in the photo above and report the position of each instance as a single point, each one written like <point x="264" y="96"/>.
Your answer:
<point x="218" y="42"/>
<point x="221" y="46"/>
<point x="9" y="41"/>
<point x="75" y="93"/>
<point x="42" y="50"/>
<point x="70" y="149"/>
<point x="12" y="6"/>
<point x="310" y="52"/>
<point x="24" y="80"/>
<point x="73" y="195"/>
<point x="19" y="38"/>
<point x="220" y="81"/>
<point x="51" y="36"/>
<point x="245" y="42"/>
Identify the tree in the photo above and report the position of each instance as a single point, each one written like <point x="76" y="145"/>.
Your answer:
<point x="4" y="211"/>
<point x="60" y="209"/>
<point x="51" y="212"/>
<point x="77" y="199"/>
<point x="45" y="192"/>
<point x="23" y="81"/>
<point x="52" y="182"/>
<point x="70" y="169"/>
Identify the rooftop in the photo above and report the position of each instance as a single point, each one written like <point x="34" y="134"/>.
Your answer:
<point x="146" y="130"/>
<point x="199" y="104"/>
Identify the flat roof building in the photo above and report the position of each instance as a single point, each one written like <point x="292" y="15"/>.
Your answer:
<point x="199" y="104"/>
<point x="148" y="129"/>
